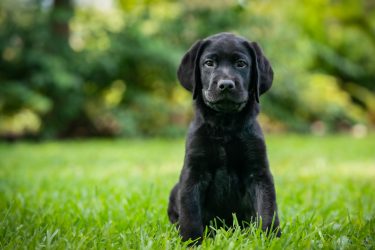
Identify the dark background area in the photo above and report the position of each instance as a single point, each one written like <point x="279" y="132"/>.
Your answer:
<point x="107" y="68"/>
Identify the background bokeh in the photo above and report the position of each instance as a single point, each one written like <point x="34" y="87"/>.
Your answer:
<point x="107" y="68"/>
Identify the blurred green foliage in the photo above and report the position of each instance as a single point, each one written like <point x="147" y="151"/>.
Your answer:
<point x="70" y="70"/>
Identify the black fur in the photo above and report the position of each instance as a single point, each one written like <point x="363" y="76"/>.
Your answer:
<point x="226" y="167"/>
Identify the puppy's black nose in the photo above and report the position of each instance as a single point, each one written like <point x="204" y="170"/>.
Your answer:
<point x="225" y="85"/>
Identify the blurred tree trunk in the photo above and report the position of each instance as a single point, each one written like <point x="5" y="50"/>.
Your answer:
<point x="64" y="89"/>
<point x="61" y="13"/>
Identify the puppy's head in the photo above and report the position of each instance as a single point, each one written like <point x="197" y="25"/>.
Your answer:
<point x="226" y="71"/>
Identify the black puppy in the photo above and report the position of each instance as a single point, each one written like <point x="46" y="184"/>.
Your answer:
<point x="226" y="167"/>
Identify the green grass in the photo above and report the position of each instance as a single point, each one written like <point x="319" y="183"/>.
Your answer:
<point x="113" y="195"/>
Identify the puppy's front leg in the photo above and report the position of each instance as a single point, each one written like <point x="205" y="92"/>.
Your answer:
<point x="190" y="220"/>
<point x="265" y="204"/>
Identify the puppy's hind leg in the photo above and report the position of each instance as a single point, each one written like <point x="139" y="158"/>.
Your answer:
<point x="172" y="206"/>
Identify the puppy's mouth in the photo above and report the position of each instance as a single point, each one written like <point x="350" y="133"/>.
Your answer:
<point x="224" y="103"/>
<point x="226" y="106"/>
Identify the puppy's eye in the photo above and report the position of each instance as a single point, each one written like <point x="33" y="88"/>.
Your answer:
<point x="209" y="63"/>
<point x="241" y="64"/>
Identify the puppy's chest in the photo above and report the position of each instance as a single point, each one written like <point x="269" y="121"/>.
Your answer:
<point x="227" y="174"/>
<point x="226" y="189"/>
<point x="225" y="183"/>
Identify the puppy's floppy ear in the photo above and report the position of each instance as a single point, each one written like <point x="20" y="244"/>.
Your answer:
<point x="261" y="70"/>
<point x="188" y="72"/>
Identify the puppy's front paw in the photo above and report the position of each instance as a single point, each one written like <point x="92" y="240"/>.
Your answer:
<point x="276" y="231"/>
<point x="272" y="230"/>
<point x="194" y="234"/>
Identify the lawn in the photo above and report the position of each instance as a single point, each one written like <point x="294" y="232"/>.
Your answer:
<point x="112" y="194"/>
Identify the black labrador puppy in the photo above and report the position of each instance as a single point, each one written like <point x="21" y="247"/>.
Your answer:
<point x="226" y="168"/>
